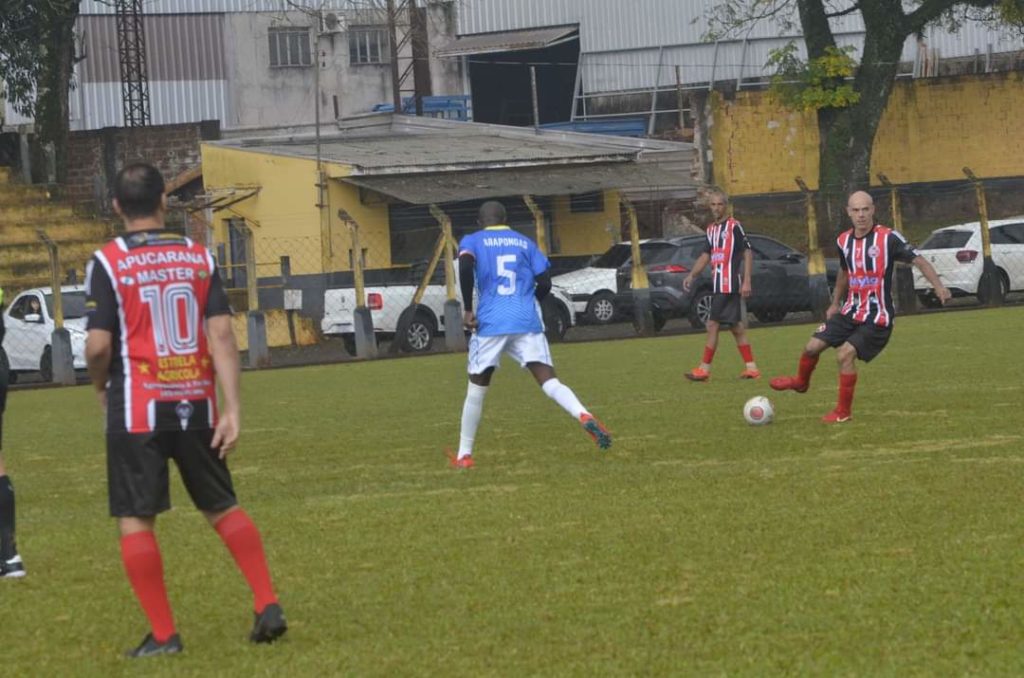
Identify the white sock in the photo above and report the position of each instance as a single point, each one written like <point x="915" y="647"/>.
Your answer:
<point x="472" y="410"/>
<point x="564" y="396"/>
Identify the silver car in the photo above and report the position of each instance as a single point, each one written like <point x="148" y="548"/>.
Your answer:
<point x="29" y="325"/>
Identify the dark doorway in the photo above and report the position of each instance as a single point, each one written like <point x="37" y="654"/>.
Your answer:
<point x="501" y="84"/>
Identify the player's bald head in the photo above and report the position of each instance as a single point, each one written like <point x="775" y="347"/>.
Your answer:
<point x="492" y="213"/>
<point x="860" y="199"/>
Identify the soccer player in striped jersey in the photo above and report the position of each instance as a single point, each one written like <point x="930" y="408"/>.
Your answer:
<point x="728" y="251"/>
<point x="859" y="321"/>
<point x="510" y="275"/>
<point x="159" y="340"/>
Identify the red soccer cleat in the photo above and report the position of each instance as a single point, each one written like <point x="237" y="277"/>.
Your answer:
<point x="697" y="374"/>
<point x="788" y="384"/>
<point x="836" y="417"/>
<point x="750" y="374"/>
<point x="455" y="462"/>
<point x="596" y="430"/>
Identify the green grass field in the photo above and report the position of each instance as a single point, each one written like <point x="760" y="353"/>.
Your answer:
<point x="699" y="545"/>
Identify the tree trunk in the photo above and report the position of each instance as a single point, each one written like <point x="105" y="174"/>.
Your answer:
<point x="53" y="110"/>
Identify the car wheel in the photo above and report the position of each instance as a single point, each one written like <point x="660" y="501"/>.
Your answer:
<point x="929" y="300"/>
<point x="601" y="308"/>
<point x="700" y="309"/>
<point x="1004" y="288"/>
<point x="659" y="318"/>
<point x="772" y="316"/>
<point x="46" y="365"/>
<point x="556" y="322"/>
<point x="419" y="338"/>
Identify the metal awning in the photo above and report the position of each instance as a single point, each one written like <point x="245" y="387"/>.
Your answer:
<point x="443" y="187"/>
<point x="509" y="41"/>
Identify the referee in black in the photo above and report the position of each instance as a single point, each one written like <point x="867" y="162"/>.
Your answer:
<point x="11" y="566"/>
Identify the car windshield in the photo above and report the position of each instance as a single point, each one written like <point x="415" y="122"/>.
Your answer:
<point x="74" y="304"/>
<point x="945" y="240"/>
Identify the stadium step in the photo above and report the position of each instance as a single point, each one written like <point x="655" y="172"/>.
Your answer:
<point x="26" y="210"/>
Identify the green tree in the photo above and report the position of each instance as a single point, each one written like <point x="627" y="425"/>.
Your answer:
<point x="849" y="97"/>
<point x="37" y="49"/>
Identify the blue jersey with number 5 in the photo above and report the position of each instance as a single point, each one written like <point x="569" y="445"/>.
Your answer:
<point x="507" y="263"/>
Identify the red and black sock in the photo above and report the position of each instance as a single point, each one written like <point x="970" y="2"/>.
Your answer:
<point x="144" y="566"/>
<point x="847" y="384"/>
<point x="747" y="353"/>
<point x="806" y="369"/>
<point x="709" y="355"/>
<point x="242" y="538"/>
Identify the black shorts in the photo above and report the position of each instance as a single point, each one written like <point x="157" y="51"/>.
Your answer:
<point x="727" y="309"/>
<point x="868" y="338"/>
<point x="137" y="474"/>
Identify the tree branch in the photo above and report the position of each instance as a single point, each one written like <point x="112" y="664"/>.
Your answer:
<point x="843" y="12"/>
<point x="930" y="10"/>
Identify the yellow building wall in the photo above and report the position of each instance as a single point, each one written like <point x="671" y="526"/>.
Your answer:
<point x="576" y="233"/>
<point x="930" y="130"/>
<point x="374" y="228"/>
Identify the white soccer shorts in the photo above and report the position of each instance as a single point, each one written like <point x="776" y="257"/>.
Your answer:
<point x="485" y="352"/>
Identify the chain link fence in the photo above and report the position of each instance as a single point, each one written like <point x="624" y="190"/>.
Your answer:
<point x="361" y="289"/>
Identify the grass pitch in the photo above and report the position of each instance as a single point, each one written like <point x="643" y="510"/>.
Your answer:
<point x="699" y="545"/>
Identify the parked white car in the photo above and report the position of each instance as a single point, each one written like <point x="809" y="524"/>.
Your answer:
<point x="28" y="321"/>
<point x="955" y="252"/>
<point x="386" y="303"/>
<point x="592" y="288"/>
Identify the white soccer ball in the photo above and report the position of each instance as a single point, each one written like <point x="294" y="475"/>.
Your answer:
<point x="758" y="411"/>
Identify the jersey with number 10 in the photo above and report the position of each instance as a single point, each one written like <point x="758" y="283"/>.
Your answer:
<point x="152" y="291"/>
<point x="506" y="266"/>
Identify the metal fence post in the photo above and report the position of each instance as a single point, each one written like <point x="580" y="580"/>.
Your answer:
<point x="643" y="308"/>
<point x="906" y="297"/>
<point x="817" y="280"/>
<point x="256" y="322"/>
<point x="990" y="287"/>
<point x="454" y="337"/>
<point x="362" y="319"/>
<point x="62" y="363"/>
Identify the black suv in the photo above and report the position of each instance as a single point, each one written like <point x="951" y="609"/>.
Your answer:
<point x="780" y="283"/>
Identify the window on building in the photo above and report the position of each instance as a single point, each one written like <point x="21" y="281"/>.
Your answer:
<point x="367" y="45"/>
<point x="587" y="202"/>
<point x="289" y="48"/>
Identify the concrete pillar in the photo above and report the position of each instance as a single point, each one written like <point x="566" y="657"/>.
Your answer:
<point x="259" y="351"/>
<point x="26" y="157"/>
<point x="454" y="337"/>
<point x="61" y="358"/>
<point x="366" y="341"/>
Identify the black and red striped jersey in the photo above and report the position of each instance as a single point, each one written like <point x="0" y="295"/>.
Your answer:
<point x="153" y="290"/>
<point x="726" y="242"/>
<point x="869" y="262"/>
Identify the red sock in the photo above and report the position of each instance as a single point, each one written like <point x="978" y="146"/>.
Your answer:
<point x="747" y="353"/>
<point x="242" y="538"/>
<point x="807" y="365"/>
<point x="709" y="355"/>
<point x="141" y="556"/>
<point x="847" y="383"/>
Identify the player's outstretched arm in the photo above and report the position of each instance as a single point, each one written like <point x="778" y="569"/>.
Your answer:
<point x="928" y="271"/>
<point x="839" y="293"/>
<point x="98" y="351"/>
<point x="698" y="266"/>
<point x="224" y="351"/>
<point x="746" y="287"/>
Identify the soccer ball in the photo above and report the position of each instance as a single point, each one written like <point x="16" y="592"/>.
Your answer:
<point x="758" y="411"/>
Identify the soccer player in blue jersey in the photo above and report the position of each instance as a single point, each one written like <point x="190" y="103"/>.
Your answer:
<point x="511" y="277"/>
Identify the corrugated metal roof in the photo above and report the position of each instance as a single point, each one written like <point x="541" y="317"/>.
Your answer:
<point x="425" y="189"/>
<point x="99" y="104"/>
<point x="210" y="6"/>
<point x="508" y="41"/>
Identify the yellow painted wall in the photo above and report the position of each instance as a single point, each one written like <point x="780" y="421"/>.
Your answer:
<point x="931" y="129"/>
<point x="585" y="232"/>
<point x="284" y="216"/>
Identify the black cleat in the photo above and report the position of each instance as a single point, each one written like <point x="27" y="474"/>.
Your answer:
<point x="270" y="625"/>
<point x="12" y="568"/>
<point x="151" y="648"/>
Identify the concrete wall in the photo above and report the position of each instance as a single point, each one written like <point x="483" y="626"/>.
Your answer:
<point x="579" y="233"/>
<point x="931" y="129"/>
